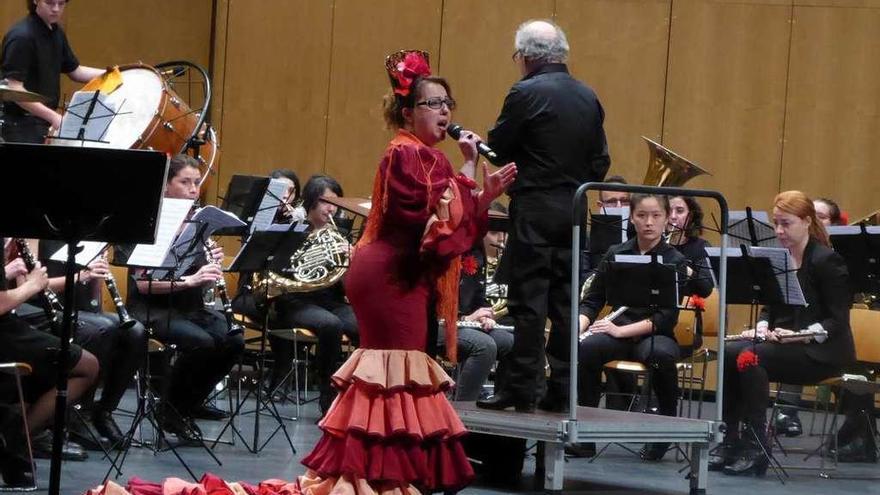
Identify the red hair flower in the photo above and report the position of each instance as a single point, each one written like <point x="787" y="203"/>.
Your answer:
<point x="469" y="265"/>
<point x="746" y="360"/>
<point x="404" y="67"/>
<point x="697" y="302"/>
<point x="844" y="218"/>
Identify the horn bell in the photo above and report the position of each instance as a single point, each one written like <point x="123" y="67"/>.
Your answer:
<point x="667" y="168"/>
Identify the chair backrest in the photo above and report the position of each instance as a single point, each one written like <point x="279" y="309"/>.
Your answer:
<point x="866" y="334"/>
<point x="686" y="328"/>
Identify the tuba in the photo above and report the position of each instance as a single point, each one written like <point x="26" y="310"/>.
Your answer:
<point x="319" y="263"/>
<point x="667" y="168"/>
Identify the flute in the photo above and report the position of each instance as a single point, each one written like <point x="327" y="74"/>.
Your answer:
<point x="609" y="317"/>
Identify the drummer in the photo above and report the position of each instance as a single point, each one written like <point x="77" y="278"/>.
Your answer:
<point x="35" y="53"/>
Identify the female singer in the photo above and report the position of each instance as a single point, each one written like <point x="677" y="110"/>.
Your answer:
<point x="749" y="367"/>
<point x="391" y="428"/>
<point x="323" y="311"/>
<point x="638" y="334"/>
<point x="178" y="316"/>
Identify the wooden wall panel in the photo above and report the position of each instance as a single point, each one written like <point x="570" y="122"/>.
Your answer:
<point x="364" y="32"/>
<point x="475" y="56"/>
<point x="620" y="49"/>
<point x="726" y="95"/>
<point x="275" y="71"/>
<point x="833" y="114"/>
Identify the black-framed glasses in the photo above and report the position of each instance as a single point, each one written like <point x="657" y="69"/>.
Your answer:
<point x="437" y="103"/>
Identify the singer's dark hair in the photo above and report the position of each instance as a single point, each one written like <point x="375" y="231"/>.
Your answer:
<point x="287" y="174"/>
<point x="180" y="162"/>
<point x="315" y="187"/>
<point x="393" y="104"/>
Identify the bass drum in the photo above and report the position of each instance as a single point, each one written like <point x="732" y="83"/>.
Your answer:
<point x="150" y="116"/>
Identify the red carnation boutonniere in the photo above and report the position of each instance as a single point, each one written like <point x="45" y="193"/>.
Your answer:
<point x="746" y="360"/>
<point x="697" y="302"/>
<point x="469" y="265"/>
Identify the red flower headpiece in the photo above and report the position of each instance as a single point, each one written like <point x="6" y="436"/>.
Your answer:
<point x="404" y="66"/>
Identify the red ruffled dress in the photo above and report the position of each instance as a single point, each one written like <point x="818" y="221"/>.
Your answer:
<point x="391" y="429"/>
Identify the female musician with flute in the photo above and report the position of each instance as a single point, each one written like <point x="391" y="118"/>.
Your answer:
<point x="750" y="367"/>
<point x="638" y="334"/>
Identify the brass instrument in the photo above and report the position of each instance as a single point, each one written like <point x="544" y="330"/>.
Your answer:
<point x="220" y="285"/>
<point x="496" y="294"/>
<point x="52" y="307"/>
<point x="319" y="263"/>
<point x="872" y="218"/>
<point x="667" y="168"/>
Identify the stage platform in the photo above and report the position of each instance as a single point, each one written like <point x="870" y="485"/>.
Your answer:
<point x="594" y="425"/>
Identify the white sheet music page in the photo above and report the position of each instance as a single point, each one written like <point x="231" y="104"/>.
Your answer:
<point x="90" y="251"/>
<point x="786" y="275"/>
<point x="98" y="121"/>
<point x="269" y="205"/>
<point x="171" y="215"/>
<point x="738" y="229"/>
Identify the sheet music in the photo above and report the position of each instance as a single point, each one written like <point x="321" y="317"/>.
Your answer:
<point x="783" y="268"/>
<point x="851" y="229"/>
<point x="203" y="222"/>
<point x="269" y="205"/>
<point x="98" y="122"/>
<point x="90" y="251"/>
<point x="738" y="229"/>
<point x="171" y="214"/>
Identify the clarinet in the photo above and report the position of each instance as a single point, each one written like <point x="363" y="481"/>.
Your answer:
<point x="125" y="320"/>
<point x="52" y="307"/>
<point x="234" y="327"/>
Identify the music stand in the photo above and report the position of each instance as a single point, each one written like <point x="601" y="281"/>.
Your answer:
<point x="264" y="251"/>
<point x="760" y="276"/>
<point x="752" y="228"/>
<point x="860" y="247"/>
<point x="69" y="209"/>
<point x="252" y="199"/>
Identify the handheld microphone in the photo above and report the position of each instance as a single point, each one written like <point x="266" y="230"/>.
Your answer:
<point x="454" y="131"/>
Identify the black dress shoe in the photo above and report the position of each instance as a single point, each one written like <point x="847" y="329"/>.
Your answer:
<point x="723" y="455"/>
<point x="857" y="450"/>
<point x="501" y="401"/>
<point x="654" y="451"/>
<point x="789" y="425"/>
<point x="751" y="461"/>
<point x="71" y="451"/>
<point x="209" y="412"/>
<point x="105" y="425"/>
<point x="81" y="432"/>
<point x="184" y="429"/>
<point x="580" y="449"/>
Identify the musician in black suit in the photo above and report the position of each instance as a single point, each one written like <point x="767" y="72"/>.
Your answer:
<point x="551" y="125"/>
<point x="750" y="367"/>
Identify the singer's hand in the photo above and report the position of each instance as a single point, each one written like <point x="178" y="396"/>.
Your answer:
<point x="467" y="143"/>
<point x="496" y="183"/>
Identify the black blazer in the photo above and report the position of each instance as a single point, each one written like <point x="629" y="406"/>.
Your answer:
<point x="664" y="319"/>
<point x="825" y="281"/>
<point x="551" y="125"/>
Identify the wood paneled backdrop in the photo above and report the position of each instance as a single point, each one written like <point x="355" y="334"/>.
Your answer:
<point x="766" y="94"/>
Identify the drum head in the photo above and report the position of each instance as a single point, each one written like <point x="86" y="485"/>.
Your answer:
<point x="137" y="103"/>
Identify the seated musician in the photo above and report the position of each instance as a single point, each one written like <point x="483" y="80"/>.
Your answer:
<point x="685" y="229"/>
<point x="178" y="316"/>
<point x="324" y="311"/>
<point x="120" y="351"/>
<point x="750" y="367"/>
<point x="612" y="199"/>
<point x="20" y="342"/>
<point x="290" y="210"/>
<point x="479" y="347"/>
<point x="629" y="336"/>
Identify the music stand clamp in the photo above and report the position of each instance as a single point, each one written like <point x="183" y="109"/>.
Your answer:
<point x="69" y="210"/>
<point x="264" y="251"/>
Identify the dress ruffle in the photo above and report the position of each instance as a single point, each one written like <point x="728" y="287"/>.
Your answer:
<point x="389" y="429"/>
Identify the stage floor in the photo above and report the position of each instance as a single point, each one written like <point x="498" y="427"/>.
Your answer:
<point x="615" y="472"/>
